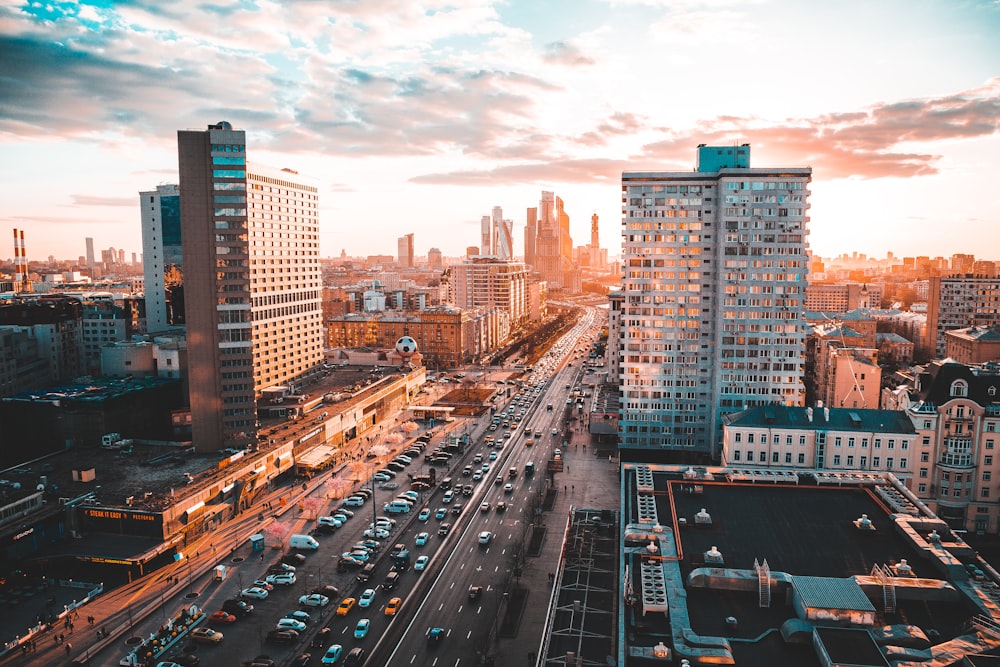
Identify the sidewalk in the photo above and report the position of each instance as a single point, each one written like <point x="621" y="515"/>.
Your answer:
<point x="591" y="483"/>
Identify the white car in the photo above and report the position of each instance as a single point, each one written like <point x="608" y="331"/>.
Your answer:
<point x="314" y="600"/>
<point x="290" y="624"/>
<point x="421" y="563"/>
<point x="367" y="598"/>
<point x="284" y="579"/>
<point x="254" y="592"/>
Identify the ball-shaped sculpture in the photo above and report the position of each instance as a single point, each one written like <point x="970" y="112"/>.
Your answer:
<point x="406" y="347"/>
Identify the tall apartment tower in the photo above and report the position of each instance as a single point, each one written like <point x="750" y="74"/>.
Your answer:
<point x="160" y="212"/>
<point x="404" y="247"/>
<point x="90" y="256"/>
<point x="503" y="236"/>
<point x="530" y="233"/>
<point x="250" y="238"/>
<point x="486" y="235"/>
<point x="712" y="318"/>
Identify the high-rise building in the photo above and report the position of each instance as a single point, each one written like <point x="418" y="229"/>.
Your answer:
<point x="404" y="246"/>
<point x="530" y="233"/>
<point x="957" y="302"/>
<point x="486" y="235"/>
<point x="160" y="211"/>
<point x="488" y="282"/>
<point x="504" y="248"/>
<point x="250" y="239"/>
<point x="554" y="246"/>
<point x="434" y="258"/>
<point x="713" y="291"/>
<point x="90" y="256"/>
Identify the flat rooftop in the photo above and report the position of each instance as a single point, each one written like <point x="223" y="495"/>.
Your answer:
<point x="713" y="534"/>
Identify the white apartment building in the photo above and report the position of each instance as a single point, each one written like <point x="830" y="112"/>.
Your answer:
<point x="162" y="255"/>
<point x="488" y="282"/>
<point x="713" y="291"/>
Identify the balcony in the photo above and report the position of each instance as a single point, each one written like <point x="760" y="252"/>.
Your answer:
<point x="954" y="460"/>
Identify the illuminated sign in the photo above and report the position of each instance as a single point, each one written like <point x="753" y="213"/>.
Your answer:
<point x="118" y="515"/>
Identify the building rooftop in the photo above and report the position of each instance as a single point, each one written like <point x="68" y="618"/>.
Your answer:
<point x="760" y="574"/>
<point x="840" y="419"/>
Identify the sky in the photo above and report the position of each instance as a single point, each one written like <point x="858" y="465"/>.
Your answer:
<point x="422" y="115"/>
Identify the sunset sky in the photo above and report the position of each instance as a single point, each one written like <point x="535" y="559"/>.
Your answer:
<point x="421" y="115"/>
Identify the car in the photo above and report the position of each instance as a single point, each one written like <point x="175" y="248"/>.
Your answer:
<point x="315" y="600"/>
<point x="354" y="657"/>
<point x="371" y="545"/>
<point x="254" y="593"/>
<point x="555" y="431"/>
<point x="377" y="533"/>
<point x="424" y="515"/>
<point x="467" y="470"/>
<point x="435" y="635"/>
<point x="392" y="606"/>
<point x="353" y="501"/>
<point x="361" y="555"/>
<point x="284" y="579"/>
<point x="347" y="562"/>
<point x="263" y="583"/>
<point x="367" y="597"/>
<point x="221" y="617"/>
<point x="206" y="636"/>
<point x="344" y="512"/>
<point x="475" y="592"/>
<point x="381" y="477"/>
<point x="168" y="663"/>
<point x="498" y="480"/>
<point x="444" y="529"/>
<point x="404" y="458"/>
<point x="185" y="659"/>
<point x="485" y="537"/>
<point x="325" y="589"/>
<point x="448" y="496"/>
<point x="478" y="475"/>
<point x="361" y="546"/>
<point x="486" y="466"/>
<point x="329" y="521"/>
<point x="493" y="456"/>
<point x="332" y="654"/>
<point x="501" y="506"/>
<point x="440" y="513"/>
<point x="457" y="509"/>
<point x="237" y="607"/>
<point x="467" y="490"/>
<point x="301" y="660"/>
<point x="278" y="568"/>
<point x="557" y="452"/>
<point x="421" y="563"/>
<point x="422" y="539"/>
<point x="508" y="488"/>
<point x="290" y="624"/>
<point x="478" y="458"/>
<point x="346" y="605"/>
<point x="361" y="629"/>
<point x="412" y="495"/>
<point x="485" y="507"/>
<point x="299" y="615"/>
<point x="282" y="637"/>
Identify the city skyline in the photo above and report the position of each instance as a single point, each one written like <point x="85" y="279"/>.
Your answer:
<point x="450" y="109"/>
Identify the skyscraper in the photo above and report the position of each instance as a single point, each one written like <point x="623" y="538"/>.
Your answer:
<point x="90" y="256"/>
<point x="554" y="246"/>
<point x="486" y="235"/>
<point x="503" y="235"/>
<point x="404" y="247"/>
<point x="712" y="297"/>
<point x="530" y="233"/>
<point x="160" y="212"/>
<point x="252" y="279"/>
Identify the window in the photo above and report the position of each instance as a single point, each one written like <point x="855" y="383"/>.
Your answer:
<point x="878" y="443"/>
<point x="836" y="459"/>
<point x="850" y="461"/>
<point x="788" y="457"/>
<point x="788" y="439"/>
<point x="988" y="460"/>
<point x="925" y="457"/>
<point x="926" y="441"/>
<point x="802" y="458"/>
<point x="923" y="472"/>
<point x="902" y="463"/>
<point x="922" y="488"/>
<point x="888" y="463"/>
<point x="763" y="457"/>
<point x="736" y="455"/>
<point x="864" y="443"/>
<point x="750" y="438"/>
<point x="749" y="456"/>
<point x="876" y="461"/>
<point x="850" y="442"/>
<point x="837" y="441"/>
<point x="987" y="475"/>
<point x="774" y="457"/>
<point x="959" y="388"/>
<point x="989" y="444"/>
<point x="802" y="439"/>
<point x="864" y="462"/>
<point x="983" y="492"/>
<point x="739" y="437"/>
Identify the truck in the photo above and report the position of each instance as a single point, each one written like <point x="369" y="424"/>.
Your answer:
<point x="401" y="559"/>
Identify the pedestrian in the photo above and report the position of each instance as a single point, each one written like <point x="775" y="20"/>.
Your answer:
<point x="55" y="640"/>
<point x="574" y="488"/>
<point x="61" y="639"/>
<point x="34" y="645"/>
<point x="69" y="647"/>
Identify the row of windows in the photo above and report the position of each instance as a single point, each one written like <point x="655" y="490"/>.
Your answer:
<point x="666" y="189"/>
<point x="764" y="185"/>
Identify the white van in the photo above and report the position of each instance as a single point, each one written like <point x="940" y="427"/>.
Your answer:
<point x="397" y="507"/>
<point x="307" y="542"/>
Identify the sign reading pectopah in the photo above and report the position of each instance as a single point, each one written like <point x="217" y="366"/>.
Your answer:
<point x="123" y="522"/>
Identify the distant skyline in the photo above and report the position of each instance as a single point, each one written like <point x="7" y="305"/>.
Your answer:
<point x="420" y="116"/>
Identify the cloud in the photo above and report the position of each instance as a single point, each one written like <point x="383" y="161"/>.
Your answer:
<point x="89" y="200"/>
<point x="565" y="53"/>
<point x="870" y="143"/>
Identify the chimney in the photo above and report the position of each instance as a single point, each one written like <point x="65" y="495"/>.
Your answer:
<point x="809" y="414"/>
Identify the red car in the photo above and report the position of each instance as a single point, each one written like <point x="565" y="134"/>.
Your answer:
<point x="222" y="617"/>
